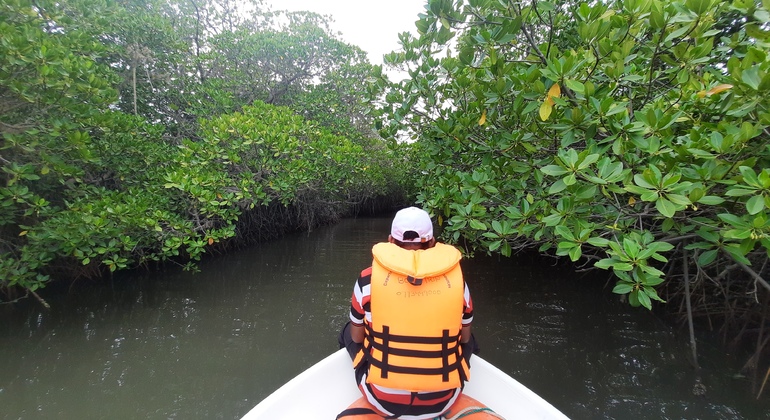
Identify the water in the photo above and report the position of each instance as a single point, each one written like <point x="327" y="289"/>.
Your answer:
<point x="211" y="345"/>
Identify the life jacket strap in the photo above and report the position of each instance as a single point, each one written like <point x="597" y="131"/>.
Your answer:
<point x="409" y="338"/>
<point x="450" y="345"/>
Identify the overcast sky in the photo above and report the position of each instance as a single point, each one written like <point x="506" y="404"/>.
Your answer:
<point x="371" y="25"/>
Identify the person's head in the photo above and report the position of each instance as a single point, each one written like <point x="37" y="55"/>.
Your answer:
<point x="412" y="229"/>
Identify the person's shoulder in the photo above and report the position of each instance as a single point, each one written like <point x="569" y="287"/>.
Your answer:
<point x="365" y="278"/>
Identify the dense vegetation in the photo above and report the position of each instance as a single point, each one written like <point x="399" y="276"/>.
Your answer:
<point x="629" y="136"/>
<point x="135" y="132"/>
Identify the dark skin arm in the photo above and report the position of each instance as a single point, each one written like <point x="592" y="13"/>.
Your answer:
<point x="357" y="333"/>
<point x="465" y="334"/>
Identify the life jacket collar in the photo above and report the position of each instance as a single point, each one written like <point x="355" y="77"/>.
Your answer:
<point x="416" y="265"/>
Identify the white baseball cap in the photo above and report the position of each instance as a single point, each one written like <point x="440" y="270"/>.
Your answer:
<point x="414" y="220"/>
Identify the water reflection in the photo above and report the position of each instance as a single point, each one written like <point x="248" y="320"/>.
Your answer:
<point x="210" y="345"/>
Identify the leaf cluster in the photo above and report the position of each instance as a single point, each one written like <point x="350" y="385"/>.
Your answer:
<point x="617" y="134"/>
<point x="137" y="132"/>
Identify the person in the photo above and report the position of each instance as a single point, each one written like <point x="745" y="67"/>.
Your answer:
<point x="409" y="333"/>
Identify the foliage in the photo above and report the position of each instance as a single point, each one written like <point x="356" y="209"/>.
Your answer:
<point x="124" y="141"/>
<point x="613" y="133"/>
<point x="243" y="161"/>
<point x="335" y="102"/>
<point x="51" y="81"/>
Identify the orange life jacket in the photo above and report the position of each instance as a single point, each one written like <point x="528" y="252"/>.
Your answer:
<point x="413" y="340"/>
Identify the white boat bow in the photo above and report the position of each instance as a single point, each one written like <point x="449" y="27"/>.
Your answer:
<point x="328" y="387"/>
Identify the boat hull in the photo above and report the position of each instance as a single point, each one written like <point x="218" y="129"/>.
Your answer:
<point x="328" y="387"/>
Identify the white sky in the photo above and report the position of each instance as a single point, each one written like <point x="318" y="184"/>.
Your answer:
<point x="372" y="25"/>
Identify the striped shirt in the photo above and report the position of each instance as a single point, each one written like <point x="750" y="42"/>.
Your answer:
<point x="423" y="405"/>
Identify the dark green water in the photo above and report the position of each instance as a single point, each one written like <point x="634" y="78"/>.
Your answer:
<point x="211" y="345"/>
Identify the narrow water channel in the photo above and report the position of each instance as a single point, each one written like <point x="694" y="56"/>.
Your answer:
<point x="211" y="345"/>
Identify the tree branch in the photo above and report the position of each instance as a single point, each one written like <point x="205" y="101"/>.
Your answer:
<point x="753" y="274"/>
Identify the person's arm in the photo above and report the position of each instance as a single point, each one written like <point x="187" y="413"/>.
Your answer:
<point x="359" y="301"/>
<point x="357" y="333"/>
<point x="465" y="334"/>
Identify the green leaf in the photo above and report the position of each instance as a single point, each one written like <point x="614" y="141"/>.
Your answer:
<point x="708" y="235"/>
<point x="622" y="288"/>
<point x="598" y="242"/>
<point x="633" y="299"/>
<point x="657" y="21"/>
<point x="588" y="161"/>
<point x="732" y="219"/>
<point x="764" y="178"/>
<point x="644" y="299"/>
<point x="478" y="225"/>
<point x="553" y="170"/>
<point x="557" y="186"/>
<point x="744" y="233"/>
<point x="617" y="109"/>
<point x="653" y="294"/>
<point x="605" y="263"/>
<point x="631" y="248"/>
<point x="665" y="207"/>
<point x="739" y="192"/>
<point x="678" y="199"/>
<point x="760" y="221"/>
<point x="751" y="77"/>
<point x="642" y="182"/>
<point x="755" y="204"/>
<point x="698" y="6"/>
<point x="633" y="189"/>
<point x="671" y="179"/>
<point x="677" y="33"/>
<point x="552" y="220"/>
<point x="707" y="257"/>
<point x="661" y="246"/>
<point x="696" y="194"/>
<point x="711" y="200"/>
<point x="652" y="281"/>
<point x="652" y="270"/>
<point x="650" y="196"/>
<point x="506" y="249"/>
<point x="621" y="266"/>
<point x="750" y="177"/>
<point x="497" y="227"/>
<point x="565" y="233"/>
<point x="575" y="253"/>
<point x="575" y="85"/>
<point x="736" y="253"/>
<point x="586" y="192"/>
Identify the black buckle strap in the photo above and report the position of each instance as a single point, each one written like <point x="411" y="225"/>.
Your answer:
<point x="445" y="354"/>
<point x="450" y="345"/>
<point x="408" y="338"/>
<point x="385" y="350"/>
